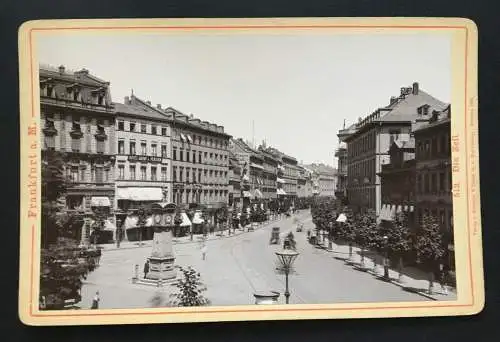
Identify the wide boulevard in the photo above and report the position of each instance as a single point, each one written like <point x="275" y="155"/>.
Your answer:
<point x="236" y="267"/>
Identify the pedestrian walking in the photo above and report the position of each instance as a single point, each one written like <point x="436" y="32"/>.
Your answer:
<point x="95" y="301"/>
<point x="146" y="268"/>
<point x="204" y="251"/>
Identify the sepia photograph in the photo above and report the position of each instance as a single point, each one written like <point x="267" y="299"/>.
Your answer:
<point x="195" y="169"/>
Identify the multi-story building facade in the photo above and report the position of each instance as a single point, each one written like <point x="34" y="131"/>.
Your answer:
<point x="252" y="163"/>
<point x="143" y="160"/>
<point x="369" y="140"/>
<point x="78" y="119"/>
<point x="269" y="175"/>
<point x="433" y="195"/>
<point x="200" y="161"/>
<point x="398" y="181"/>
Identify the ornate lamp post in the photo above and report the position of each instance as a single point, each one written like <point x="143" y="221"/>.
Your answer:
<point x="386" y="257"/>
<point x="286" y="257"/>
<point x="330" y="245"/>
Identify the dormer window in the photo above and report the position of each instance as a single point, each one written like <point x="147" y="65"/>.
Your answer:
<point x="423" y="110"/>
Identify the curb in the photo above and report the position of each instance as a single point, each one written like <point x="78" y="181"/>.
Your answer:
<point x="423" y="294"/>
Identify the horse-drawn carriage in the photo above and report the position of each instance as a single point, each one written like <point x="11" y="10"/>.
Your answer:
<point x="275" y="236"/>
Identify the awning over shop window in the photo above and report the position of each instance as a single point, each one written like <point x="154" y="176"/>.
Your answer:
<point x="280" y="180"/>
<point x="257" y="193"/>
<point x="185" y="220"/>
<point x="139" y="194"/>
<point x="342" y="218"/>
<point x="257" y="166"/>
<point x="197" y="218"/>
<point x="131" y="222"/>
<point x="281" y="192"/>
<point x="100" y="202"/>
<point x="247" y="194"/>
<point x="189" y="138"/>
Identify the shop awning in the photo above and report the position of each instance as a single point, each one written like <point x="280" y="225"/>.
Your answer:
<point x="189" y="138"/>
<point x="197" y="218"/>
<point x="131" y="222"/>
<point x="246" y="178"/>
<point x="257" y="166"/>
<point x="247" y="194"/>
<point x="281" y="192"/>
<point x="185" y="220"/>
<point x="342" y="218"/>
<point x="100" y="202"/>
<point x="257" y="193"/>
<point x="280" y="180"/>
<point x="139" y="194"/>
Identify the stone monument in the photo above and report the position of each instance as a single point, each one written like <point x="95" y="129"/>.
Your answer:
<point x="161" y="261"/>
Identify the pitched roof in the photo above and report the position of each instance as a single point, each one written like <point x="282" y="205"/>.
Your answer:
<point x="139" y="111"/>
<point x="81" y="76"/>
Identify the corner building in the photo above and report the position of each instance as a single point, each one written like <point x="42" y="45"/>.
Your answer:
<point x="78" y="120"/>
<point x="369" y="140"/>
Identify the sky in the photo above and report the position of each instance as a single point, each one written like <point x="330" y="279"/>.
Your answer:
<point x="292" y="91"/>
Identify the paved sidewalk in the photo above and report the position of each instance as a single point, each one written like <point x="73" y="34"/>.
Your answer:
<point x="417" y="282"/>
<point x="197" y="238"/>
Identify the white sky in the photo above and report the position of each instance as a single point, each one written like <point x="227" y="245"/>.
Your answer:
<point x="298" y="89"/>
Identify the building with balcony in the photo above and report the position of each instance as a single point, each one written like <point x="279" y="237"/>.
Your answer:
<point x="369" y="140"/>
<point x="397" y="180"/>
<point x="234" y="200"/>
<point x="433" y="194"/>
<point x="143" y="159"/>
<point x="269" y="174"/>
<point x="341" y="155"/>
<point x="78" y="122"/>
<point x="252" y="163"/>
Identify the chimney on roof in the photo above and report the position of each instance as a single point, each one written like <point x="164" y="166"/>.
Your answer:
<point x="126" y="100"/>
<point x="61" y="69"/>
<point x="393" y="99"/>
<point x="158" y="106"/>
<point x="191" y="116"/>
<point x="415" y="88"/>
<point x="149" y="103"/>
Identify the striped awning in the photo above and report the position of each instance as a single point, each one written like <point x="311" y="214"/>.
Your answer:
<point x="100" y="202"/>
<point x="257" y="193"/>
<point x="280" y="180"/>
<point x="281" y="192"/>
<point x="247" y="194"/>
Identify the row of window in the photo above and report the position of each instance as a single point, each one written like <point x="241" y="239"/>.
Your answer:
<point x="96" y="175"/>
<point x="437" y="146"/>
<point x="433" y="182"/>
<point x="76" y="144"/>
<point x="190" y="156"/>
<point x="73" y="94"/>
<point x="362" y="144"/>
<point x="363" y="169"/>
<point x="205" y="196"/>
<point x="153" y="151"/>
<point x="195" y="175"/>
<point x="143" y="173"/>
<point x="142" y="128"/>
<point x="202" y="141"/>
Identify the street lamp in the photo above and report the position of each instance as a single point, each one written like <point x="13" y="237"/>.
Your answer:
<point x="330" y="245"/>
<point x="386" y="257"/>
<point x="286" y="257"/>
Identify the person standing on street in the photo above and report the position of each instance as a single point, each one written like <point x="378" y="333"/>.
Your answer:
<point x="146" y="268"/>
<point x="95" y="301"/>
<point x="204" y="251"/>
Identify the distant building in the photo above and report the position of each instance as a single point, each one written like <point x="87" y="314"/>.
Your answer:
<point x="433" y="172"/>
<point x="368" y="143"/>
<point x="77" y="118"/>
<point x="323" y="179"/>
<point x="288" y="174"/>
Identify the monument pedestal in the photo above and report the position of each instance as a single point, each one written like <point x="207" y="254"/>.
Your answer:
<point x="161" y="268"/>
